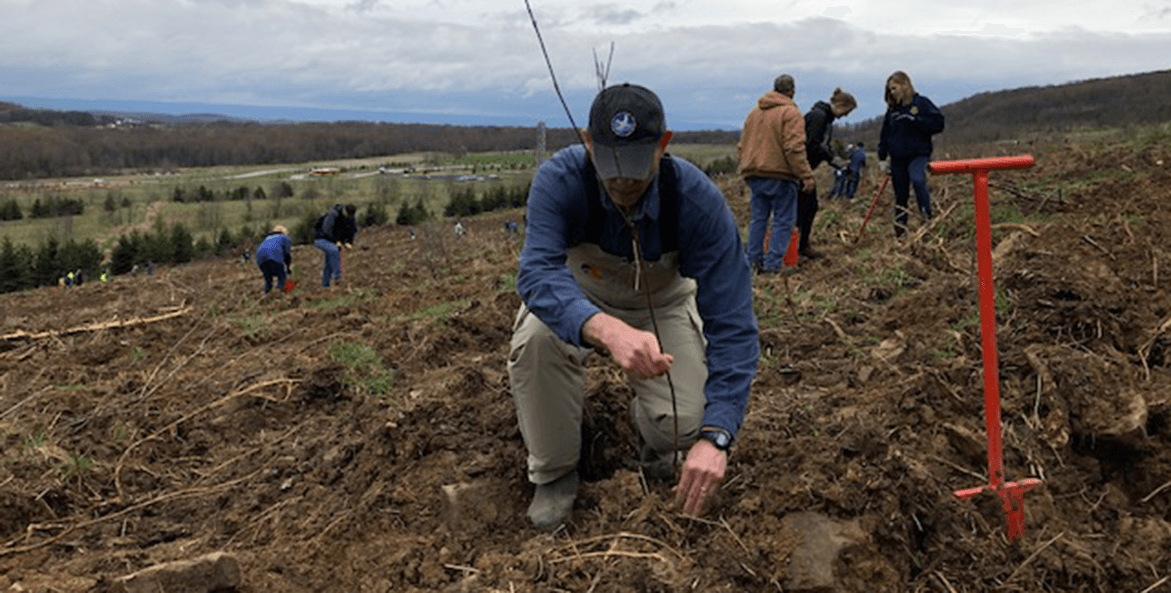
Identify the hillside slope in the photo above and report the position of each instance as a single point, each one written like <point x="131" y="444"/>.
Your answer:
<point x="158" y="418"/>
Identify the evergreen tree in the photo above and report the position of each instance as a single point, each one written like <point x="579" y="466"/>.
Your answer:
<point x="182" y="244"/>
<point x="125" y="253"/>
<point x="14" y="268"/>
<point x="48" y="264"/>
<point x="10" y="210"/>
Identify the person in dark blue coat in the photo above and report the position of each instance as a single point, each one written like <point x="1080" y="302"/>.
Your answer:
<point x="274" y="256"/>
<point x="857" y="163"/>
<point x="335" y="231"/>
<point x="911" y="120"/>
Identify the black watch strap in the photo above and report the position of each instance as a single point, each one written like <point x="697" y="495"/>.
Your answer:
<point x="719" y="437"/>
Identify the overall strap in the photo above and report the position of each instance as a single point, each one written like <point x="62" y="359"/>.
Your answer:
<point x="668" y="204"/>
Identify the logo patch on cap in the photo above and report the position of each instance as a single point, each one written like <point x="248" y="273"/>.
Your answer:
<point x="623" y="124"/>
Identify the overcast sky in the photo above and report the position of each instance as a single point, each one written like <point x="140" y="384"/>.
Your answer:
<point x="479" y="61"/>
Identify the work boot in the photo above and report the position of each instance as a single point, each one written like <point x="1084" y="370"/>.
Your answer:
<point x="809" y="253"/>
<point x="657" y="466"/>
<point x="553" y="502"/>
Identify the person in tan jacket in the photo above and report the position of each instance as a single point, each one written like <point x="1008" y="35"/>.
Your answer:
<point x="774" y="165"/>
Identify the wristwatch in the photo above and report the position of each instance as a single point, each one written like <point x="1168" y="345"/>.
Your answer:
<point x="719" y="437"/>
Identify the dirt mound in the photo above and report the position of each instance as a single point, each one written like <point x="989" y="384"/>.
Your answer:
<point x="363" y="438"/>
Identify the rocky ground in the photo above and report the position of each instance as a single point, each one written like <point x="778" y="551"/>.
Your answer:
<point x="363" y="438"/>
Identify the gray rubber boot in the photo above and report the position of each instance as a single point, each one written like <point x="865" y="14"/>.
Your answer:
<point x="553" y="502"/>
<point x="658" y="466"/>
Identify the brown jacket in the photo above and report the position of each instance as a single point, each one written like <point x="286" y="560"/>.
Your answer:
<point x="773" y="141"/>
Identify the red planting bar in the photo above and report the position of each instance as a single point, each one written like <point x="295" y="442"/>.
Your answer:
<point x="1011" y="493"/>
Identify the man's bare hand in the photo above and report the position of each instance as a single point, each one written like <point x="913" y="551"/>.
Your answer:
<point x="702" y="473"/>
<point x="636" y="351"/>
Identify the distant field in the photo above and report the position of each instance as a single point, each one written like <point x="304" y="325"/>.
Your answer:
<point x="430" y="177"/>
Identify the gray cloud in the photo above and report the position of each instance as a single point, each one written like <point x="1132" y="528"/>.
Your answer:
<point x="990" y="29"/>
<point x="378" y="56"/>
<point x="837" y="12"/>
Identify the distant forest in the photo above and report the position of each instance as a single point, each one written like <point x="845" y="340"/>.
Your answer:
<point x="45" y="143"/>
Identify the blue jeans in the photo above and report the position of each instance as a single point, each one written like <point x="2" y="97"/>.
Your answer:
<point x="851" y="184"/>
<point x="333" y="261"/>
<point x="906" y="173"/>
<point x="273" y="269"/>
<point x="776" y="198"/>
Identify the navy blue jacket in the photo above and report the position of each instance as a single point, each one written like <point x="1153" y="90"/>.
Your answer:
<point x="907" y="130"/>
<point x="857" y="160"/>
<point x="709" y="251"/>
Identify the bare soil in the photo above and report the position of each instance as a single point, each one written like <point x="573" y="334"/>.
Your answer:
<point x="151" y="419"/>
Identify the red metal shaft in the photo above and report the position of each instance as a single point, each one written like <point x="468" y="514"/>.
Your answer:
<point x="873" y="203"/>
<point x="988" y="330"/>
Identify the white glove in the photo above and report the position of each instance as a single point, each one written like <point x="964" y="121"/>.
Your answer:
<point x="884" y="166"/>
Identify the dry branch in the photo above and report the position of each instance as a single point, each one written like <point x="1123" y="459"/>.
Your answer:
<point x="92" y="327"/>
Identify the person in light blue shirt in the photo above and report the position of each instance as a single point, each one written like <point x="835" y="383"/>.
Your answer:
<point x="612" y="226"/>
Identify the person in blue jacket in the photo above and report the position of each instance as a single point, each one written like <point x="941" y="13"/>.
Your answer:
<point x="335" y="231"/>
<point x="274" y="257"/>
<point x="636" y="254"/>
<point x="911" y="120"/>
<point x="854" y="174"/>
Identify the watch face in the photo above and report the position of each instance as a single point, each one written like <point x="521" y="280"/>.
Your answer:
<point x="721" y="439"/>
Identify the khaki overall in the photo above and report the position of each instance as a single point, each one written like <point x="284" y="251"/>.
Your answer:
<point x="547" y="374"/>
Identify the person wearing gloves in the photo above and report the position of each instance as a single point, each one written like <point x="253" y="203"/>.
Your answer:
<point x="274" y="256"/>
<point x="335" y="231"/>
<point x="911" y="120"/>
<point x="636" y="254"/>
<point x="773" y="164"/>
<point x="819" y="128"/>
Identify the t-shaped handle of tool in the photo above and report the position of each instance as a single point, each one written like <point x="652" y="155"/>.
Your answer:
<point x="1011" y="493"/>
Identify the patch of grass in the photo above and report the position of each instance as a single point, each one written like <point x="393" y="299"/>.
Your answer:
<point x="439" y="312"/>
<point x="830" y="219"/>
<point x="33" y="442"/>
<point x="71" y="387"/>
<point x="365" y="372"/>
<point x="120" y="433"/>
<point x="895" y="276"/>
<point x="508" y="282"/>
<point x="75" y="466"/>
<point x="253" y="325"/>
<point x="343" y="300"/>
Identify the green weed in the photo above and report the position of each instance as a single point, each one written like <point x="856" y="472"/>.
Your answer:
<point x="439" y="312"/>
<point x="120" y="433"/>
<point x="75" y="466"/>
<point x="365" y="372"/>
<point x="508" y="282"/>
<point x="33" y="442"/>
<point x="343" y="300"/>
<point x="253" y="325"/>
